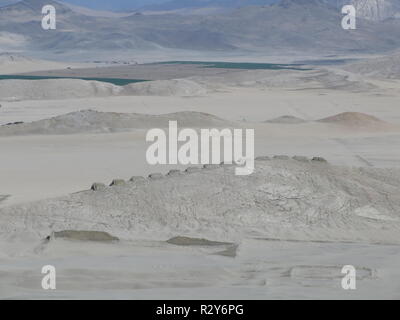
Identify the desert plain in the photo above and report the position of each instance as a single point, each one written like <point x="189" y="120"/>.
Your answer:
<point x="283" y="232"/>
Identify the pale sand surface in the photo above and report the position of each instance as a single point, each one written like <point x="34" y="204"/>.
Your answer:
<point x="154" y="270"/>
<point x="65" y="164"/>
<point x="38" y="167"/>
<point x="102" y="157"/>
<point x="231" y="104"/>
<point x="295" y="226"/>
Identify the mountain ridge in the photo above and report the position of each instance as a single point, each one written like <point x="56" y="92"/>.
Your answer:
<point x="301" y="25"/>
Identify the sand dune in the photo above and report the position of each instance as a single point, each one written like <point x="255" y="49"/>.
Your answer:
<point x="14" y="90"/>
<point x="176" y="87"/>
<point x="349" y="120"/>
<point x="87" y="121"/>
<point x="11" y="90"/>
<point x="307" y="77"/>
<point x="279" y="201"/>
<point x="387" y="67"/>
<point x="357" y="120"/>
<point x="286" y="120"/>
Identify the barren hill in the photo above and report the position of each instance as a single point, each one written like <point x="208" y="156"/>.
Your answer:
<point x="284" y="199"/>
<point x="15" y="89"/>
<point x="387" y="67"/>
<point x="90" y="121"/>
<point x="287" y="119"/>
<point x="356" y="120"/>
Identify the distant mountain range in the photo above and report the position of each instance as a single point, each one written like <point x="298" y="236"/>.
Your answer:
<point x="172" y="5"/>
<point x="114" y="5"/>
<point x="288" y="25"/>
<point x="369" y="9"/>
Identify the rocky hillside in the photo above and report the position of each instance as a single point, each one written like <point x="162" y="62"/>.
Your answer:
<point x="284" y="199"/>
